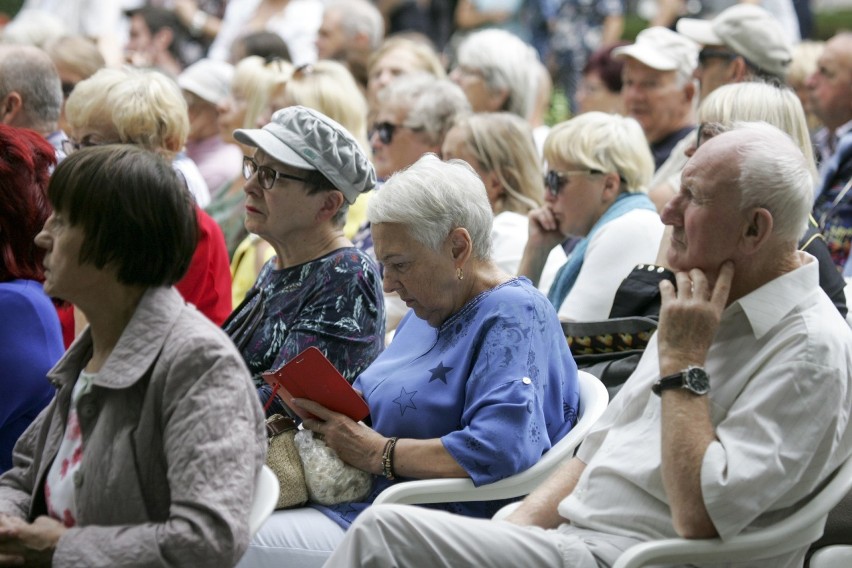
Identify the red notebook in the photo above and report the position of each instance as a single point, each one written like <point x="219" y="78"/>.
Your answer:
<point x="312" y="376"/>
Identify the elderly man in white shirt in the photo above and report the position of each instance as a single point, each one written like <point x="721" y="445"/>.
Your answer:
<point x="736" y="414"/>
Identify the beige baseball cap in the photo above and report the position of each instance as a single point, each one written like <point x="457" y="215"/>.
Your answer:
<point x="662" y="49"/>
<point x="747" y="30"/>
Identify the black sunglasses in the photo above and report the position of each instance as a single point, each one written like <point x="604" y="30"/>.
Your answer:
<point x="555" y="180"/>
<point x="708" y="53"/>
<point x="266" y="176"/>
<point x="385" y="131"/>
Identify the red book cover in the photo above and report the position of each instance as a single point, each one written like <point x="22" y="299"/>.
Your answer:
<point x="312" y="376"/>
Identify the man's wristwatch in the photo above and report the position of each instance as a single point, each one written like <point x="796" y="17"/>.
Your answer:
<point x="693" y="379"/>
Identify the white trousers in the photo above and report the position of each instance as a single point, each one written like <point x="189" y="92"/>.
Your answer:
<point x="402" y="536"/>
<point x="297" y="538"/>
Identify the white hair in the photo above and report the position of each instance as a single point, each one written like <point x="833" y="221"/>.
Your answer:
<point x="430" y="198"/>
<point x="359" y="17"/>
<point x="506" y="62"/>
<point x="775" y="175"/>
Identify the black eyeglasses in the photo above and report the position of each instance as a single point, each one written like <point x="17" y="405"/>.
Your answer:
<point x="266" y="176"/>
<point x="707" y="53"/>
<point x="555" y="180"/>
<point x="385" y="131"/>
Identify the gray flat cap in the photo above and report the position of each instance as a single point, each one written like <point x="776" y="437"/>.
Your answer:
<point x="304" y="138"/>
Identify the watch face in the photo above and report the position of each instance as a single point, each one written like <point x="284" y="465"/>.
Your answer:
<point x="696" y="380"/>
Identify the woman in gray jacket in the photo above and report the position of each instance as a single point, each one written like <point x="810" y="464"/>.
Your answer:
<point x="147" y="455"/>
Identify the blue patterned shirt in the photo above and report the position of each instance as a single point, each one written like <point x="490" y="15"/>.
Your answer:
<point x="496" y="383"/>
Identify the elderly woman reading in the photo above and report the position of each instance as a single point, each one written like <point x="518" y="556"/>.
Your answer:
<point x="147" y="455"/>
<point x="477" y="383"/>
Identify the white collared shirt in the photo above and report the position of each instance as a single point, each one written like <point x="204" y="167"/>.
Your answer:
<point x="780" y="371"/>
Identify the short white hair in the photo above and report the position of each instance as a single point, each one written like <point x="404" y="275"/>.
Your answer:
<point x="430" y="198"/>
<point x="775" y="175"/>
<point x="359" y="17"/>
<point x="506" y="62"/>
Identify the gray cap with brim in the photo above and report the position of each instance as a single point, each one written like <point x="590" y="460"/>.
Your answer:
<point x="306" y="139"/>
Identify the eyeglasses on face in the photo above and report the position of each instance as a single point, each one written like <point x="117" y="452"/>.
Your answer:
<point x="707" y="53"/>
<point x="385" y="131"/>
<point x="266" y="176"/>
<point x="69" y="145"/>
<point x="555" y="180"/>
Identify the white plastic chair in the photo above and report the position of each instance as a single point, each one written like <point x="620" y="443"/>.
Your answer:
<point x="799" y="529"/>
<point x="834" y="556"/>
<point x="266" y="491"/>
<point x="593" y="401"/>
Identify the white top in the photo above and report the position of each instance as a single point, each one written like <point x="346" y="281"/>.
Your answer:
<point x="509" y="235"/>
<point x="297" y="24"/>
<point x="780" y="369"/>
<point x="92" y="18"/>
<point x="184" y="165"/>
<point x="634" y="238"/>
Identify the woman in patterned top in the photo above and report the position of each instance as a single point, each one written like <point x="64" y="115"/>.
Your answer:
<point x="478" y="381"/>
<point x="318" y="290"/>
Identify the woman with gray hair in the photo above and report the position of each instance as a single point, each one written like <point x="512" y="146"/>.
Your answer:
<point x="596" y="189"/>
<point x="497" y="71"/>
<point x="415" y="113"/>
<point x="477" y="383"/>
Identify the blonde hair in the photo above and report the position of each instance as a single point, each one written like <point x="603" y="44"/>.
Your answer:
<point x="328" y="86"/>
<point x="760" y="102"/>
<point x="503" y="143"/>
<point x="144" y="107"/>
<point x="426" y="57"/>
<point x="804" y="63"/>
<point x="255" y="80"/>
<point x="76" y="53"/>
<point x="604" y="142"/>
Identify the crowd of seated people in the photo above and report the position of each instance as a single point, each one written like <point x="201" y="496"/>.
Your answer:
<point x="431" y="197"/>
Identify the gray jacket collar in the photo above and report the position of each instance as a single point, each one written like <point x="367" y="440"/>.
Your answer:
<point x="137" y="348"/>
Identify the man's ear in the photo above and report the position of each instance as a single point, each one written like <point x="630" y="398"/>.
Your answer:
<point x="163" y="38"/>
<point x="738" y="70"/>
<point x="461" y="245"/>
<point x="689" y="90"/>
<point x="756" y="229"/>
<point x="11" y="107"/>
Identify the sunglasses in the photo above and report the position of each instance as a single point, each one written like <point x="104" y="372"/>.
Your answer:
<point x="385" y="131"/>
<point x="555" y="180"/>
<point x="266" y="176"/>
<point x="705" y="54"/>
<point x="69" y="145"/>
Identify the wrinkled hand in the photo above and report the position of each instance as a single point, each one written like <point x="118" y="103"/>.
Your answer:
<point x="689" y="317"/>
<point x="354" y="442"/>
<point x="22" y="543"/>
<point x="544" y="228"/>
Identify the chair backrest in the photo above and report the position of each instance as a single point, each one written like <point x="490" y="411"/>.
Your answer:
<point x="593" y="401"/>
<point x="799" y="529"/>
<point x="265" y="497"/>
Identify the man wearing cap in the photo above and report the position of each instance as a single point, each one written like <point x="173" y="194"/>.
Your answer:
<point x="715" y="434"/>
<point x="204" y="84"/>
<point x="318" y="290"/>
<point x="830" y="90"/>
<point x="658" y="90"/>
<point x="742" y="43"/>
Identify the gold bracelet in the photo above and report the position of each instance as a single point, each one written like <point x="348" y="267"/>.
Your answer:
<point x="387" y="459"/>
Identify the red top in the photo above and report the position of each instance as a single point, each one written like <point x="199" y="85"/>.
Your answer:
<point x="207" y="283"/>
